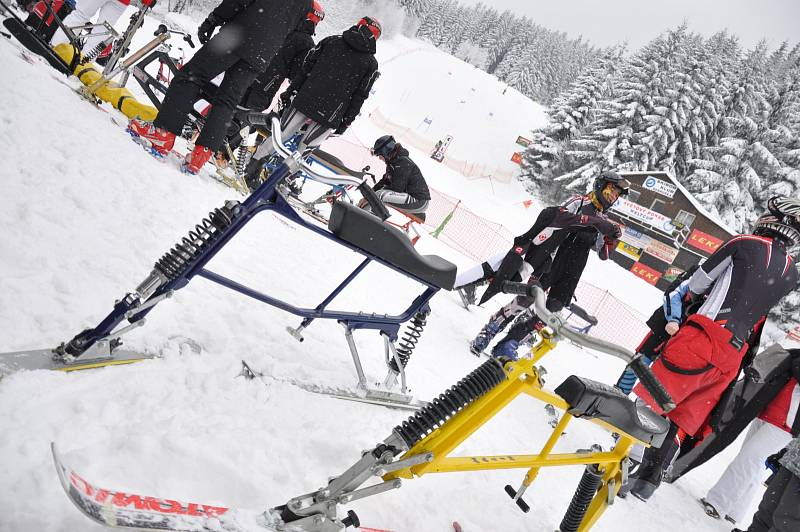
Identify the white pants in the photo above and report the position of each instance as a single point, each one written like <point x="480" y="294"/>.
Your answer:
<point x="109" y="11"/>
<point x="734" y="492"/>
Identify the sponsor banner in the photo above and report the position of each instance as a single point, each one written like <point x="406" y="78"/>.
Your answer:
<point x="646" y="272"/>
<point x="522" y="141"/>
<point x="672" y="273"/>
<point x="661" y="251"/>
<point x="629" y="251"/>
<point x="517" y="157"/>
<point x="703" y="241"/>
<point x="635" y="238"/>
<point x="659" y="186"/>
<point x="643" y="214"/>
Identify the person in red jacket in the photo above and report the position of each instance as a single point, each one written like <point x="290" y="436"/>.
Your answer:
<point x="735" y="491"/>
<point x="742" y="281"/>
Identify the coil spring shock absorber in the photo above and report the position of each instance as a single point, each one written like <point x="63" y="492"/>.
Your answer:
<point x="440" y="409"/>
<point x="174" y="262"/>
<point x="587" y="488"/>
<point x="241" y="158"/>
<point x="410" y="338"/>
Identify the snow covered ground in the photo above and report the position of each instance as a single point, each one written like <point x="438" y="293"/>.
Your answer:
<point x="84" y="214"/>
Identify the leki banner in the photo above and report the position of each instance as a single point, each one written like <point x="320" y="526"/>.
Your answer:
<point x="703" y="241"/>
<point x="646" y="272"/>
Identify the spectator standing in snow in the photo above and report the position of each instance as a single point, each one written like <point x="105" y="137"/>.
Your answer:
<point x="779" y="510"/>
<point x="742" y="281"/>
<point x="735" y="490"/>
<point x="327" y="95"/>
<point x="251" y="33"/>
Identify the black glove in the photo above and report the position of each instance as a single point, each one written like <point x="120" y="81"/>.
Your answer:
<point x="342" y="128"/>
<point x="207" y="28"/>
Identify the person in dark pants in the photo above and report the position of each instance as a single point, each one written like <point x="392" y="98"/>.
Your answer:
<point x="327" y="95"/>
<point x="252" y="32"/>
<point x="742" y="281"/>
<point x="779" y="510"/>
<point x="285" y="65"/>
<point x="403" y="185"/>
<point x="576" y="226"/>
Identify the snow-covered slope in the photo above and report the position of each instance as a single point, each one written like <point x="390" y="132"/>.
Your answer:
<point x="85" y="212"/>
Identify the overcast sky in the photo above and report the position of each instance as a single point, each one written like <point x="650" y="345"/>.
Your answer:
<point x="605" y="22"/>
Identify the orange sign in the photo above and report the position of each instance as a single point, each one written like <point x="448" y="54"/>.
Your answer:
<point x="704" y="241"/>
<point x="646" y="272"/>
<point x="517" y="157"/>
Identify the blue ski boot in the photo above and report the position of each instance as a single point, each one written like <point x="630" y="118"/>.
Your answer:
<point x="487" y="334"/>
<point x="506" y="348"/>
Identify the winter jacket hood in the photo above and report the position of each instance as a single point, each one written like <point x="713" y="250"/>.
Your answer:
<point x="357" y="41"/>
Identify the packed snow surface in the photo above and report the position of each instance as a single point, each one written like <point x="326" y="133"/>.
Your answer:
<point x="84" y="214"/>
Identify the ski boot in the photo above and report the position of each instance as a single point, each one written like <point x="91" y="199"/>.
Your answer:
<point x="648" y="477"/>
<point x="157" y="141"/>
<point x="506" y="348"/>
<point x="489" y="331"/>
<point x="194" y="161"/>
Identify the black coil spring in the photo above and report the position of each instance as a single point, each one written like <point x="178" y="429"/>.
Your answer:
<point x="409" y="341"/>
<point x="440" y="409"/>
<point x="241" y="159"/>
<point x="172" y="264"/>
<point x="587" y="488"/>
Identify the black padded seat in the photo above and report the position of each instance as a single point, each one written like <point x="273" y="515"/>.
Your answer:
<point x="592" y="399"/>
<point x="366" y="231"/>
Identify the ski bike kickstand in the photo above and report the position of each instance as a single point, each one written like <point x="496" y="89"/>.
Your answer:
<point x="421" y="444"/>
<point x="350" y="227"/>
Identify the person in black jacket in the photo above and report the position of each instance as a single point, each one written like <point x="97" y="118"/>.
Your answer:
<point x="252" y="32"/>
<point x="286" y="64"/>
<point x="330" y="89"/>
<point x="402" y="186"/>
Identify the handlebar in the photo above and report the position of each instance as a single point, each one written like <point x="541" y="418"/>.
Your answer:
<point x="162" y="28"/>
<point x="558" y="324"/>
<point x="376" y="205"/>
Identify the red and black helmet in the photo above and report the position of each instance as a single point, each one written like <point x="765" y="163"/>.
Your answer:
<point x="316" y="14"/>
<point x="372" y="24"/>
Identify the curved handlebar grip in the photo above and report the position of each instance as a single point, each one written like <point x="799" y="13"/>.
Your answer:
<point x="518" y="289"/>
<point x="651" y="383"/>
<point x="375" y="204"/>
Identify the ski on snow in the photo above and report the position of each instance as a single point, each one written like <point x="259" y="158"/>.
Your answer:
<point x="131" y="511"/>
<point x="118" y="509"/>
<point x="372" y="397"/>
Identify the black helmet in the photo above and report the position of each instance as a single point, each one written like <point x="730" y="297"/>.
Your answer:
<point x="384" y="146"/>
<point x="782" y="221"/>
<point x="603" y="180"/>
